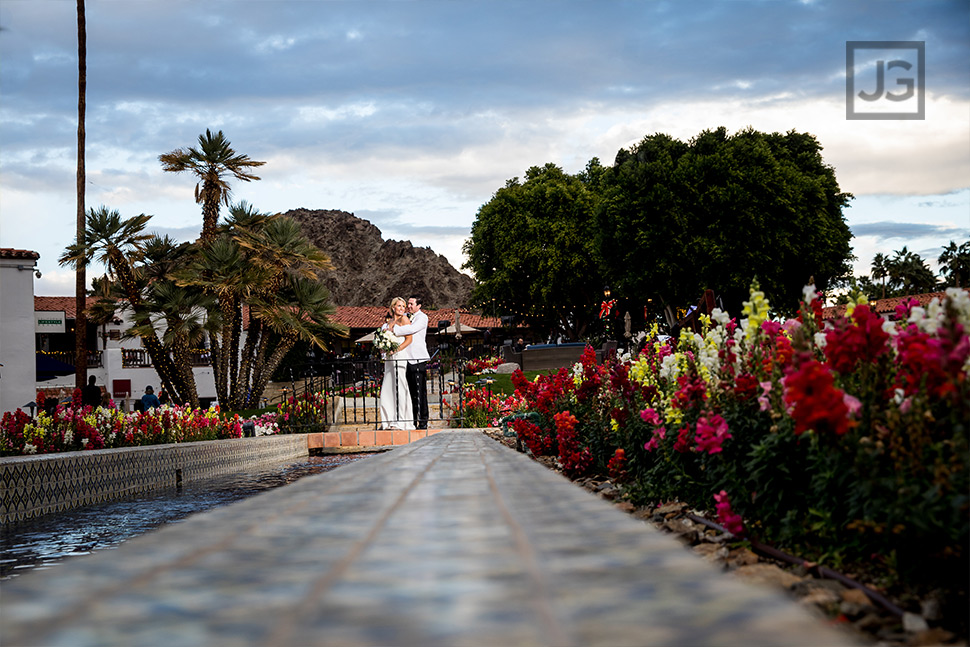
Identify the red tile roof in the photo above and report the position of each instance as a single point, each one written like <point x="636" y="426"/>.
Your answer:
<point x="54" y="304"/>
<point x="354" y="317"/>
<point x="885" y="306"/>
<point x="373" y="316"/>
<point x="9" y="252"/>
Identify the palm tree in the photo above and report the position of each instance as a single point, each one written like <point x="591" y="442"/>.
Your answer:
<point x="955" y="264"/>
<point x="879" y="270"/>
<point x="183" y="311"/>
<point x="119" y="244"/>
<point x="909" y="274"/>
<point x="102" y="311"/>
<point x="264" y="263"/>
<point x="80" y="280"/>
<point x="211" y="163"/>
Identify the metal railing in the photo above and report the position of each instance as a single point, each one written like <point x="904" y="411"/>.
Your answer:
<point x="68" y="357"/>
<point x="349" y="390"/>
<point x="139" y="358"/>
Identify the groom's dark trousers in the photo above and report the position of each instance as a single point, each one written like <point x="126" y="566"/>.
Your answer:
<point x="417" y="377"/>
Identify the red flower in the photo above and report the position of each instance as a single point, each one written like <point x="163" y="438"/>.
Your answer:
<point x="859" y="339"/>
<point x="682" y="444"/>
<point x="745" y="386"/>
<point x="617" y="465"/>
<point x="817" y="403"/>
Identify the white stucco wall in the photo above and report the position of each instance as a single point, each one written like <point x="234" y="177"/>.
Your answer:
<point x="19" y="371"/>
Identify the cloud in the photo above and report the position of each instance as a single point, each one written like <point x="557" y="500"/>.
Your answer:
<point x="886" y="230"/>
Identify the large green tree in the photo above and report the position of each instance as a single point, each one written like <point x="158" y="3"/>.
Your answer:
<point x="213" y="162"/>
<point x="715" y="213"/>
<point x="532" y="249"/>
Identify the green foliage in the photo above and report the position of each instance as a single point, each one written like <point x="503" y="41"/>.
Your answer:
<point x="717" y="212"/>
<point x="848" y="444"/>
<point x="955" y="264"/>
<point x="533" y="243"/>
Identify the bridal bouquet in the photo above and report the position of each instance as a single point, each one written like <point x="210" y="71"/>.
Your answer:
<point x="385" y="341"/>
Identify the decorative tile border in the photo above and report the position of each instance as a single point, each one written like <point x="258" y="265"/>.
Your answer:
<point x="31" y="486"/>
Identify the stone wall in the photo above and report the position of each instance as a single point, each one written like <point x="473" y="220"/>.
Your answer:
<point x="36" y="485"/>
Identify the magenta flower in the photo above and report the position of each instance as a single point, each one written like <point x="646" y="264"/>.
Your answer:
<point x="650" y="416"/>
<point x="732" y="522"/>
<point x="711" y="433"/>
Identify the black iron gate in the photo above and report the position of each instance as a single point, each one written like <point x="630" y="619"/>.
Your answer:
<point x="348" y="390"/>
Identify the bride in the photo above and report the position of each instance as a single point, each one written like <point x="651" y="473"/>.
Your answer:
<point x="395" y="403"/>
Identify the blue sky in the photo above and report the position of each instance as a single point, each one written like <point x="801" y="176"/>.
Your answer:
<point x="412" y="114"/>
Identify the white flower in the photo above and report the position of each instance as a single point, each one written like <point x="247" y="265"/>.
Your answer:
<point x="889" y="327"/>
<point x="385" y="341"/>
<point x="668" y="367"/>
<point x="30" y="449"/>
<point x="820" y="340"/>
<point x="960" y="301"/>
<point x="809" y="294"/>
<point x="720" y="316"/>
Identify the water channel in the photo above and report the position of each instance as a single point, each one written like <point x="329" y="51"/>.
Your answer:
<point x="46" y="541"/>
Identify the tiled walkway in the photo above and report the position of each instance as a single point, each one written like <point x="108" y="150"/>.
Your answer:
<point x="452" y="540"/>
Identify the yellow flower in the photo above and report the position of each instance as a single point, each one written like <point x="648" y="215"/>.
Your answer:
<point x="756" y="310"/>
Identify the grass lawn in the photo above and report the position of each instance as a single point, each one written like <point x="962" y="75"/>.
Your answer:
<point x="501" y="383"/>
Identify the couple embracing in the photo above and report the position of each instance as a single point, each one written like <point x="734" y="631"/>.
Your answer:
<point x="404" y="396"/>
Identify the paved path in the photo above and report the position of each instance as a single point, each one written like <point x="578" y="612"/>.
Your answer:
<point x="452" y="540"/>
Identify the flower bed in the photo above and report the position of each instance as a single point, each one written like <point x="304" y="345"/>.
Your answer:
<point x="482" y="365"/>
<point x="305" y="413"/>
<point x="847" y="443"/>
<point x="481" y="407"/>
<point x="74" y="427"/>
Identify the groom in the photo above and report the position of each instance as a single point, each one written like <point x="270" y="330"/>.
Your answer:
<point x="417" y="356"/>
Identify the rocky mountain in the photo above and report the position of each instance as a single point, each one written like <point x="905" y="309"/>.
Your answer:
<point x="371" y="271"/>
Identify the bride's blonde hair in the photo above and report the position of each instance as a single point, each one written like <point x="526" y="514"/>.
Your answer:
<point x="395" y="300"/>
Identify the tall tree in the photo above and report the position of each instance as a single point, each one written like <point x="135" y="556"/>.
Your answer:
<point x="532" y="250"/>
<point x="103" y="310"/>
<point x="879" y="270"/>
<point x="212" y="162"/>
<point x="909" y="274"/>
<point x="80" y="279"/>
<point x="119" y="245"/>
<point x="720" y="211"/>
<point x="955" y="264"/>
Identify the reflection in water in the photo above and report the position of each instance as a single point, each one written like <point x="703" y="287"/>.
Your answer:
<point x="43" y="542"/>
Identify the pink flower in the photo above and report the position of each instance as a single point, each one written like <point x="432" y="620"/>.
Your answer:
<point x="732" y="522"/>
<point x="658" y="434"/>
<point x="771" y="328"/>
<point x="763" y="401"/>
<point x="650" y="416"/>
<point x="711" y="433"/>
<point x="852" y="403"/>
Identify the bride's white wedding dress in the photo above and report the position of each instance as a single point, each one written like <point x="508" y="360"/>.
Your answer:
<point x="395" y="402"/>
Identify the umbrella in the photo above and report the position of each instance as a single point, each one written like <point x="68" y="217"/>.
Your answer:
<point x="450" y="330"/>
<point x="48" y="368"/>
<point x="366" y="339"/>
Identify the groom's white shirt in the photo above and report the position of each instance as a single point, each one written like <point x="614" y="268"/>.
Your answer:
<point x="418" y="350"/>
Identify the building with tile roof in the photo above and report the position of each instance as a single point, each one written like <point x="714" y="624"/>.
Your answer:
<point x="885" y="307"/>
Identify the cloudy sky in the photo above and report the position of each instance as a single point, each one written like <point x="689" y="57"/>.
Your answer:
<point x="411" y="114"/>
